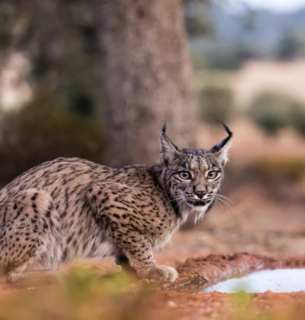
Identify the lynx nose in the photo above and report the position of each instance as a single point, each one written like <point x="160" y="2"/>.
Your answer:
<point x="200" y="194"/>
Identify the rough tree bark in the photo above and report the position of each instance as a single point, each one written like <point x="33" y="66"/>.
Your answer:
<point x="147" y="78"/>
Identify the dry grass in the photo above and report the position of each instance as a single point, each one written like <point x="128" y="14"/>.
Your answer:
<point x="260" y="76"/>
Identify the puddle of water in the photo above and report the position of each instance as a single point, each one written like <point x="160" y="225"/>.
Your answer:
<point x="279" y="280"/>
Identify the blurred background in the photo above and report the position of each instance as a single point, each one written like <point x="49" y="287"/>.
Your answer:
<point x="97" y="79"/>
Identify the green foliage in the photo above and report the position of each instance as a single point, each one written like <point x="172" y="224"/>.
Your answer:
<point x="83" y="281"/>
<point x="298" y="117"/>
<point x="224" y="57"/>
<point x="60" y="40"/>
<point x="43" y="131"/>
<point x="217" y="103"/>
<point x="6" y="22"/>
<point x="280" y="170"/>
<point x="291" y="46"/>
<point x="82" y="294"/>
<point x="272" y="112"/>
<point x="197" y="25"/>
<point x="62" y="51"/>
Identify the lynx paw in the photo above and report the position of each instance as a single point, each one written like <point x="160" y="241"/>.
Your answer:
<point x="163" y="273"/>
<point x="14" y="277"/>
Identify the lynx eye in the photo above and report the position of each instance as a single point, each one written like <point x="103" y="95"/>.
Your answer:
<point x="212" y="175"/>
<point x="184" y="175"/>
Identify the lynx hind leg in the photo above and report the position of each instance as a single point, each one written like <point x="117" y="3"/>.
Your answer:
<point x="29" y="232"/>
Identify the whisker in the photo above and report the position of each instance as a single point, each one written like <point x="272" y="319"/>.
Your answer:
<point x="222" y="196"/>
<point x="225" y="202"/>
<point x="219" y="203"/>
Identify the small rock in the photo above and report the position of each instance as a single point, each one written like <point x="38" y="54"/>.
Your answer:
<point x="171" y="304"/>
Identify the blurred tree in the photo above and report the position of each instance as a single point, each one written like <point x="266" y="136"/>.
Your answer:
<point x="148" y="77"/>
<point x="197" y="25"/>
<point x="217" y="103"/>
<point x="58" y="38"/>
<point x="58" y="41"/>
<point x="297" y="110"/>
<point x="197" y="22"/>
<point x="43" y="130"/>
<point x="271" y="111"/>
<point x="291" y="46"/>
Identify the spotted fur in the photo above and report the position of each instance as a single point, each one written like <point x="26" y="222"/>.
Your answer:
<point x="72" y="208"/>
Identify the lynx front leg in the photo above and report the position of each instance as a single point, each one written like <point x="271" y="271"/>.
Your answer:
<point x="110" y="212"/>
<point x="138" y="253"/>
<point x="122" y="260"/>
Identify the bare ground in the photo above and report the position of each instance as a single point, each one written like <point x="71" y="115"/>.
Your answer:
<point x="251" y="222"/>
<point x="258" y="227"/>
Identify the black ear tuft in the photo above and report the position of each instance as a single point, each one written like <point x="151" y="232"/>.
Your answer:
<point x="164" y="128"/>
<point x="229" y="132"/>
<point x="169" y="151"/>
<point x="220" y="145"/>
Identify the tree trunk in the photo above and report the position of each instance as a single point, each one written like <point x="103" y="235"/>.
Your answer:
<point x="147" y="78"/>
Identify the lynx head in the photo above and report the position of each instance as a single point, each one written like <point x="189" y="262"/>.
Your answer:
<point x="192" y="178"/>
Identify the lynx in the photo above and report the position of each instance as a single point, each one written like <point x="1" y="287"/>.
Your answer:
<point x="71" y="208"/>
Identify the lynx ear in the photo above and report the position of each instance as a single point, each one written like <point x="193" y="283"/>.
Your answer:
<point x="221" y="150"/>
<point x="169" y="151"/>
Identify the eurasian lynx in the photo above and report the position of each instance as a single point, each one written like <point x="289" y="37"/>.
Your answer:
<point x="72" y="208"/>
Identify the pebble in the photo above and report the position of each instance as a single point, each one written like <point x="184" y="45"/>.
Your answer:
<point x="171" y="304"/>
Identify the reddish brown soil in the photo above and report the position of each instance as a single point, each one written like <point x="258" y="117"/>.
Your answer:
<point x="197" y="274"/>
<point x="215" y="305"/>
<point x="200" y="273"/>
<point x="272" y="233"/>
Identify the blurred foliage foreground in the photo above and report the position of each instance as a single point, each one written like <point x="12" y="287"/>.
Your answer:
<point x="84" y="294"/>
<point x="43" y="130"/>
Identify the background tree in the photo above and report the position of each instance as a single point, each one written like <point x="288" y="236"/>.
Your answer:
<point x="147" y="78"/>
<point x="63" y="116"/>
<point x="291" y="46"/>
